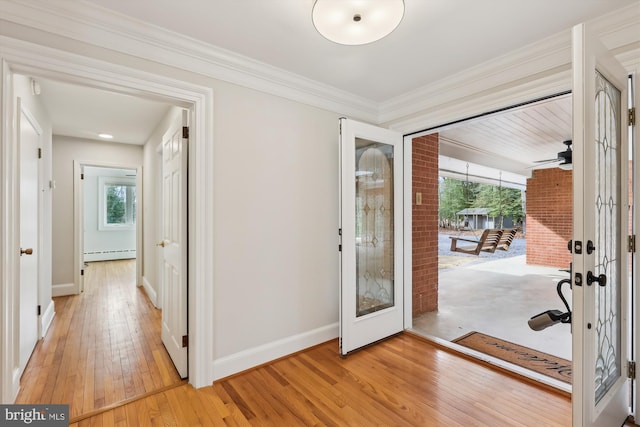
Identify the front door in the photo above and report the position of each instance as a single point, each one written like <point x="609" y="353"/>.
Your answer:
<point x="29" y="251"/>
<point x="601" y="227"/>
<point x="174" y="242"/>
<point x="371" y="281"/>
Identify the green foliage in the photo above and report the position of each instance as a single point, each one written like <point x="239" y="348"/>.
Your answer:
<point x="457" y="195"/>
<point x="116" y="204"/>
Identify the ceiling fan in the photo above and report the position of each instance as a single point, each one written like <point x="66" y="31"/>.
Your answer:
<point x="564" y="158"/>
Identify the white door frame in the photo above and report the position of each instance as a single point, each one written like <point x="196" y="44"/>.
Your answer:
<point x="31" y="59"/>
<point x="78" y="214"/>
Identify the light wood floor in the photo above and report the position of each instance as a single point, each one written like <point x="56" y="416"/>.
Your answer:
<point x="103" y="346"/>
<point x="104" y="351"/>
<point x="403" y="381"/>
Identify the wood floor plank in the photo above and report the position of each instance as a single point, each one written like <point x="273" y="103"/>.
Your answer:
<point x="403" y="381"/>
<point x="103" y="346"/>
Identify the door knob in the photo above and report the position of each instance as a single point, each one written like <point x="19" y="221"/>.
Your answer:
<point x="28" y="251"/>
<point x="161" y="244"/>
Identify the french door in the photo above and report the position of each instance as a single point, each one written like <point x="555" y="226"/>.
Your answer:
<point x="601" y="282"/>
<point x="371" y="230"/>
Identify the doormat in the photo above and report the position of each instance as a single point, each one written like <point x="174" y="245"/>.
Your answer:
<point x="534" y="360"/>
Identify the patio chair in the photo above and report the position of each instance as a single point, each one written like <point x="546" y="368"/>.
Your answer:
<point x="507" y="237"/>
<point x="488" y="242"/>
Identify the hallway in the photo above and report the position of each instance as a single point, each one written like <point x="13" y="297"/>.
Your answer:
<point x="103" y="346"/>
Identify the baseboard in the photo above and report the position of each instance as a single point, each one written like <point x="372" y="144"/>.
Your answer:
<point x="256" y="356"/>
<point x="47" y="317"/>
<point x="63" y="289"/>
<point x="151" y="293"/>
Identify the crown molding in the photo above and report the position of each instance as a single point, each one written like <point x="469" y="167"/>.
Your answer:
<point x="539" y="69"/>
<point x="538" y="61"/>
<point x="90" y="23"/>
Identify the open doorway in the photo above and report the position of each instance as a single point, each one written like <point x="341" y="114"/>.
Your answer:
<point x="106" y="335"/>
<point x="495" y="292"/>
<point x="109" y="212"/>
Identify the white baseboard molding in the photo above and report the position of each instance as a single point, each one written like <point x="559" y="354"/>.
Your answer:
<point x="256" y="356"/>
<point x="63" y="289"/>
<point x="47" y="317"/>
<point x="151" y="293"/>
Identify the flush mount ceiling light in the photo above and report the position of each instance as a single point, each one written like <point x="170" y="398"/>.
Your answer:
<point x="355" y="22"/>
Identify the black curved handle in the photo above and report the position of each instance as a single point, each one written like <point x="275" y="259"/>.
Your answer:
<point x="601" y="279"/>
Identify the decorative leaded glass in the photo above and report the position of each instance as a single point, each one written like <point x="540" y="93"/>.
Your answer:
<point x="374" y="227"/>
<point x="607" y="227"/>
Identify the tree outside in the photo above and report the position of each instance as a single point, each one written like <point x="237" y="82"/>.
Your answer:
<point x="456" y="195"/>
<point x="116" y="204"/>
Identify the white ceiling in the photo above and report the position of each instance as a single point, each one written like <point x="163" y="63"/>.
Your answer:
<point x="436" y="38"/>
<point x="84" y="112"/>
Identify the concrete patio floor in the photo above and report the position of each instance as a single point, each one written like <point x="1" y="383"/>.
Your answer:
<point x="497" y="297"/>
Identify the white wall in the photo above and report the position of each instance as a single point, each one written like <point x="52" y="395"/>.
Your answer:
<point x="275" y="197"/>
<point x="66" y="150"/>
<point x="104" y="244"/>
<point x="22" y="89"/>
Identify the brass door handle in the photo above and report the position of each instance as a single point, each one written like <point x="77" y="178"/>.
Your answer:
<point x="28" y="251"/>
<point x="161" y="244"/>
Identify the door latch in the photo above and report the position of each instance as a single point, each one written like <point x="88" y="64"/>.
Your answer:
<point x="600" y="279"/>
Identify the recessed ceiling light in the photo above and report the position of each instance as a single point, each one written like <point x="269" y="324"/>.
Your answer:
<point x="105" y="135"/>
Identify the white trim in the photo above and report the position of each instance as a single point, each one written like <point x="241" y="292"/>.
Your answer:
<point x="151" y="293"/>
<point x="510" y="75"/>
<point x="103" y="182"/>
<point x="255" y="356"/>
<point x="9" y="233"/>
<point x="407" y="187"/>
<point x="78" y="228"/>
<point x="519" y="370"/>
<point x="63" y="289"/>
<point x="37" y="60"/>
<point x="47" y="317"/>
<point x="106" y="28"/>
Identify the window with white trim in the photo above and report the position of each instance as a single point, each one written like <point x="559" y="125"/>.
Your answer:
<point x="117" y="203"/>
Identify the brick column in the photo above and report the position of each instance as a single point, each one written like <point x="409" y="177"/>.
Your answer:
<point x="425" y="224"/>
<point x="549" y="217"/>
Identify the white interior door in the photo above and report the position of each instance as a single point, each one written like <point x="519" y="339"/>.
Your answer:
<point x="371" y="212"/>
<point x="601" y="226"/>
<point x="174" y="243"/>
<point x="635" y="140"/>
<point x="29" y="217"/>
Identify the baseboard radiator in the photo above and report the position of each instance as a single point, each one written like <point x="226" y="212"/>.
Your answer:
<point x="109" y="255"/>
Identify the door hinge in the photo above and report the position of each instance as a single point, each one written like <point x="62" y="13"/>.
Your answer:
<point x="39" y="310"/>
<point x="81" y="176"/>
<point x="39" y="153"/>
<point x="185" y="132"/>
<point x="631" y="370"/>
<point x="82" y="272"/>
<point x="631" y="243"/>
<point x="185" y="341"/>
<point x="632" y="116"/>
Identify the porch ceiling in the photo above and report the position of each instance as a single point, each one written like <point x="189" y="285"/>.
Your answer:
<point x="509" y="141"/>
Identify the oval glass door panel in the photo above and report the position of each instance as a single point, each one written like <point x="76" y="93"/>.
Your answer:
<point x="374" y="226"/>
